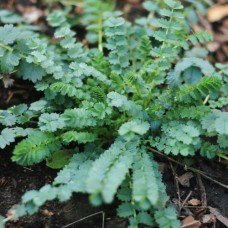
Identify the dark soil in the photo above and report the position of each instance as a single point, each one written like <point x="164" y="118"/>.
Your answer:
<point x="16" y="180"/>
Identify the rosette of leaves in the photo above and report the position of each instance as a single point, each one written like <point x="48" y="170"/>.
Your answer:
<point x="108" y="104"/>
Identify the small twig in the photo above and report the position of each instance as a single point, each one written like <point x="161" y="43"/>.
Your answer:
<point x="195" y="207"/>
<point x="223" y="156"/>
<point x="100" y="33"/>
<point x="177" y="185"/>
<point x="219" y="216"/>
<point x="100" y="212"/>
<point x="186" y="199"/>
<point x="189" y="168"/>
<point x="28" y="169"/>
<point x="13" y="93"/>
<point x="202" y="190"/>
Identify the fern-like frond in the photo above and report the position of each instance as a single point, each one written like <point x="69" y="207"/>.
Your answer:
<point x="98" y="94"/>
<point x="201" y="37"/>
<point x="67" y="89"/>
<point x="110" y="169"/>
<point x="191" y="112"/>
<point x="146" y="186"/>
<point x="116" y="32"/>
<point x="206" y="86"/>
<point x="35" y="148"/>
<point x="145" y="47"/>
<point x="142" y="189"/>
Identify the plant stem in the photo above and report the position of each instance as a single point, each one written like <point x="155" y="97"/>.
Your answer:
<point x="6" y="47"/>
<point x="223" y="156"/>
<point x="100" y="33"/>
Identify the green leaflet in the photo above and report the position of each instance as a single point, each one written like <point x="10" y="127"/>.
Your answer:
<point x="7" y="136"/>
<point x="35" y="148"/>
<point x="167" y="218"/>
<point x="51" y="122"/>
<point x="222" y="101"/>
<point x="190" y="112"/>
<point x="9" y="61"/>
<point x="124" y="193"/>
<point x="117" y="44"/>
<point x="216" y="121"/>
<point x="145" y="181"/>
<point x="31" y="72"/>
<point x="145" y="218"/>
<point x="200" y="37"/>
<point x="178" y="138"/>
<point x="223" y="141"/>
<point x="206" y="86"/>
<point x="63" y="32"/>
<point x="57" y="18"/>
<point x="9" y="34"/>
<point x="209" y="150"/>
<point x="133" y="127"/>
<point x="93" y="18"/>
<point x="163" y="23"/>
<point x="80" y="137"/>
<point x="59" y="159"/>
<point x="121" y="102"/>
<point x="82" y="69"/>
<point x="125" y="210"/>
<point x="2" y="221"/>
<point x="142" y="189"/>
<point x="78" y="118"/>
<point x="173" y="4"/>
<point x="38" y="105"/>
<point x="7" y="119"/>
<point x="145" y="46"/>
<point x="66" y="89"/>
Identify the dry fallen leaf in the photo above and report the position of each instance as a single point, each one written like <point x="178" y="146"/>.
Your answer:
<point x="194" y="202"/>
<point x="219" y="216"/>
<point x="31" y="13"/>
<point x="213" y="46"/>
<point x="184" y="180"/>
<point x="162" y="167"/>
<point x="217" y="12"/>
<point x="208" y="218"/>
<point x="46" y="212"/>
<point x="190" y="222"/>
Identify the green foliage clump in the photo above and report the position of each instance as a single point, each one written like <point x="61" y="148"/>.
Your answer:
<point x="137" y="85"/>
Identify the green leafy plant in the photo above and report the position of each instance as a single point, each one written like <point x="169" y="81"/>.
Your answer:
<point x="142" y="86"/>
